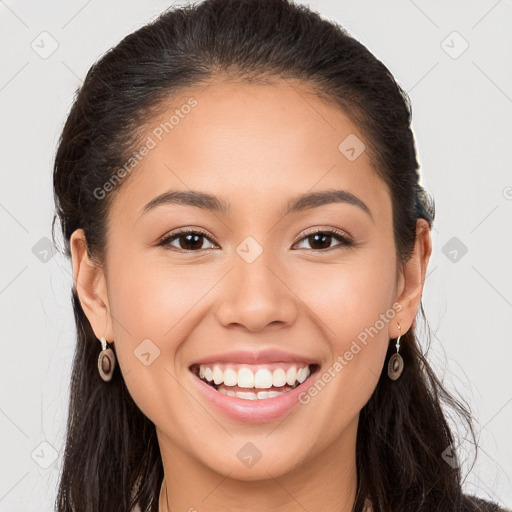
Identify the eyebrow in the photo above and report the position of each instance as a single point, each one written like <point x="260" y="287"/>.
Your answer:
<point x="217" y="204"/>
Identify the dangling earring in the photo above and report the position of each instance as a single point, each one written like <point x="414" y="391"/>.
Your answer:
<point x="106" y="361"/>
<point x="396" y="363"/>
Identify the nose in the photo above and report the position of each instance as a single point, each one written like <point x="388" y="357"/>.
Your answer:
<point x="256" y="295"/>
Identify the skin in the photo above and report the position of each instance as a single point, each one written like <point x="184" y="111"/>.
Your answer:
<point x="257" y="146"/>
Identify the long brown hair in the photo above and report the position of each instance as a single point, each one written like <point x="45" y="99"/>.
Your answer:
<point x="112" y="459"/>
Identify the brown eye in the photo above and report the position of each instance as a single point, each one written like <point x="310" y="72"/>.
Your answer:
<point x="322" y="239"/>
<point x="187" y="240"/>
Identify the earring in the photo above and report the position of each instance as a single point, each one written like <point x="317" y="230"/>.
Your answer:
<point x="106" y="361"/>
<point x="396" y="363"/>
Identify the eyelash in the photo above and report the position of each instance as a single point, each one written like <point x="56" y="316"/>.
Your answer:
<point x="339" y="235"/>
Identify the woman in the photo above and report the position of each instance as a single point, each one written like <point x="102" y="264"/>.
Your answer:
<point x="238" y="190"/>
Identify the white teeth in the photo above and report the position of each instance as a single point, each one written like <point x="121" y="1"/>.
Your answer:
<point x="279" y="378"/>
<point x="247" y="395"/>
<point x="230" y="377"/>
<point x="218" y="375"/>
<point x="303" y="374"/>
<point x="291" y="376"/>
<point x="245" y="378"/>
<point x="248" y="377"/>
<point x="250" y="395"/>
<point x="263" y="378"/>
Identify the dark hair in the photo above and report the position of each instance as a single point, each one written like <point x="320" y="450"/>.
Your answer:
<point x="112" y="459"/>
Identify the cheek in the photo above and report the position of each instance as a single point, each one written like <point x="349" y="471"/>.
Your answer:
<point x="150" y="298"/>
<point x="352" y="303"/>
<point x="155" y="305"/>
<point x="348" y="298"/>
<point x="358" y="341"/>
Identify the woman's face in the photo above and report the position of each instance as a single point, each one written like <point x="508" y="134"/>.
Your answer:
<point x="255" y="289"/>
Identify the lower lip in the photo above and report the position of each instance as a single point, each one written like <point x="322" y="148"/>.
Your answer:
<point x="251" y="411"/>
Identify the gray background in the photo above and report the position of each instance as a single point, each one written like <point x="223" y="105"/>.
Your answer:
<point x="462" y="105"/>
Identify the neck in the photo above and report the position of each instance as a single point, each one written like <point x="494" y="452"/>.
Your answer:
<point x="327" y="481"/>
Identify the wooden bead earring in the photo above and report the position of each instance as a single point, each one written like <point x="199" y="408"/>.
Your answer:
<point x="396" y="363"/>
<point x="106" y="361"/>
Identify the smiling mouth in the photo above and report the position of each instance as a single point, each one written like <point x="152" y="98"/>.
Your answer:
<point x="254" y="382"/>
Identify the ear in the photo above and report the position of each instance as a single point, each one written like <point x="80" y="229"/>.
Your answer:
<point x="90" y="284"/>
<point x="412" y="279"/>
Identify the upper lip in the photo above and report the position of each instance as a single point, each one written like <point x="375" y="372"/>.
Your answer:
<point x="256" y="357"/>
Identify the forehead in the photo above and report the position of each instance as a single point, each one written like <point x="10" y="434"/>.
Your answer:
<point x="249" y="142"/>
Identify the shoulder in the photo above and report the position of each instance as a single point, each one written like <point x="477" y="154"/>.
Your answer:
<point x="474" y="504"/>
